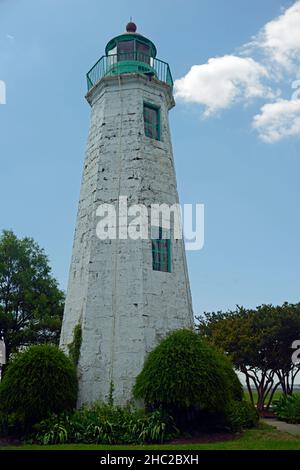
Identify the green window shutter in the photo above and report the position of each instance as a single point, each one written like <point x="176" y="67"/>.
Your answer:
<point x="161" y="253"/>
<point x="152" y="121"/>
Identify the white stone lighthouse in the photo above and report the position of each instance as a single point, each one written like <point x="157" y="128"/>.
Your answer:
<point x="126" y="294"/>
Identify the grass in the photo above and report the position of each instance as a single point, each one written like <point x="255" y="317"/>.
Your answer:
<point x="265" y="437"/>
<point x="276" y="396"/>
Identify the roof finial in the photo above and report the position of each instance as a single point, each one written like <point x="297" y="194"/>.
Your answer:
<point x="131" y="27"/>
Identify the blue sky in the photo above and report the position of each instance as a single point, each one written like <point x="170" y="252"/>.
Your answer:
<point x="247" y="175"/>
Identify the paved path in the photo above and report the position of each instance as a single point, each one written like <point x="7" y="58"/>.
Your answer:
<point x="293" y="429"/>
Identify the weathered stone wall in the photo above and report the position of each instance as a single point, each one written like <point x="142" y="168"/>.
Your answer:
<point x="124" y="306"/>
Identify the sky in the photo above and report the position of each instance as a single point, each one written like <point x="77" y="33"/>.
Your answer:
<point x="235" y="130"/>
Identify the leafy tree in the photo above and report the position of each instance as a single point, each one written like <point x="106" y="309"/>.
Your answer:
<point x="287" y="321"/>
<point x="259" y="343"/>
<point x="31" y="304"/>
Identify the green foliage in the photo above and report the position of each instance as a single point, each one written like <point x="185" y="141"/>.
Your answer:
<point x="287" y="408"/>
<point x="111" y="393"/>
<point x="75" y="346"/>
<point x="31" y="305"/>
<point x="105" y="424"/>
<point x="38" y="382"/>
<point x="259" y="344"/>
<point x="233" y="382"/>
<point x="184" y="374"/>
<point x="240" y="415"/>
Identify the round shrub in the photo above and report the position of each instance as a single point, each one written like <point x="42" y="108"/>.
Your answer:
<point x="184" y="372"/>
<point x="40" y="381"/>
<point x="233" y="382"/>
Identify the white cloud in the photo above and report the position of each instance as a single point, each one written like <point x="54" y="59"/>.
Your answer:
<point x="255" y="71"/>
<point x="280" y="38"/>
<point x="221" y="82"/>
<point x="278" y="120"/>
<point x="10" y="37"/>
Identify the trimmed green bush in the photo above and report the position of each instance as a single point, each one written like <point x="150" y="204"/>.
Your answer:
<point x="233" y="382"/>
<point x="38" y="382"/>
<point x="287" y="408"/>
<point x="241" y="414"/>
<point x="184" y="374"/>
<point x="105" y="424"/>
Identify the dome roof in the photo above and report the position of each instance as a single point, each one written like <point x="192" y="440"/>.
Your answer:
<point x="130" y="34"/>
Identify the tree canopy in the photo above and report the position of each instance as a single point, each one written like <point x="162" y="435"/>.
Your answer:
<point x="259" y="343"/>
<point x="31" y="304"/>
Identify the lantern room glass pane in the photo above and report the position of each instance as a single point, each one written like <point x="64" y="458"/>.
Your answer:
<point x="142" y="52"/>
<point x="126" y="50"/>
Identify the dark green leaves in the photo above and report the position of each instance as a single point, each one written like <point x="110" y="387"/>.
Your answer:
<point x="31" y="304"/>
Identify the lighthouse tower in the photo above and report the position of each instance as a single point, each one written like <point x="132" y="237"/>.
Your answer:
<point x="126" y="294"/>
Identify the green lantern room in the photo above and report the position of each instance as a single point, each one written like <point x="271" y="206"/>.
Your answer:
<point x="129" y="52"/>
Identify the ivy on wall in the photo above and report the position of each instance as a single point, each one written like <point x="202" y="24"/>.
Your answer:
<point x="75" y="346"/>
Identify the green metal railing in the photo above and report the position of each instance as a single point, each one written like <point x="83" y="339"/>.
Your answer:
<point x="129" y="62"/>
